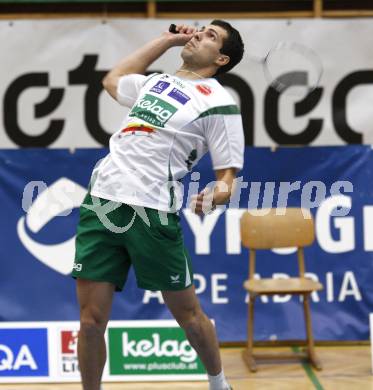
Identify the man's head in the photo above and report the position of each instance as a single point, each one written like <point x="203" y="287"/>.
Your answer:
<point x="217" y="46"/>
<point x="233" y="46"/>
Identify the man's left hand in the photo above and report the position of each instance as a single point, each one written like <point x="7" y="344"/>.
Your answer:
<point x="203" y="203"/>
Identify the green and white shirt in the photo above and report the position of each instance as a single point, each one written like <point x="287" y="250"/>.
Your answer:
<point x="175" y="122"/>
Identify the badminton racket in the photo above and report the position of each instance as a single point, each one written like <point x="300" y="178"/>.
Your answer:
<point x="289" y="67"/>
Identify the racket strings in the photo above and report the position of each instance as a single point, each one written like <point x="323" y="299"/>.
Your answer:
<point x="292" y="68"/>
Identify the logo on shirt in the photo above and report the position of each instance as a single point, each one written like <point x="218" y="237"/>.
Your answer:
<point x="153" y="110"/>
<point x="138" y="129"/>
<point x="181" y="97"/>
<point x="204" y="89"/>
<point x="191" y="158"/>
<point x="160" y="87"/>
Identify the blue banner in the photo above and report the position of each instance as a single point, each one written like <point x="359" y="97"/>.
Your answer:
<point x="40" y="187"/>
<point x="23" y="352"/>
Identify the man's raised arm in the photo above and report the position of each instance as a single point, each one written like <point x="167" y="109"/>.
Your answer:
<point x="142" y="58"/>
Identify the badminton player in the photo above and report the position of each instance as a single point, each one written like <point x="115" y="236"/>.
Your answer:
<point x="130" y="215"/>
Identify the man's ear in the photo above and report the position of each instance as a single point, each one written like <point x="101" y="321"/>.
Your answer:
<point x="222" y="60"/>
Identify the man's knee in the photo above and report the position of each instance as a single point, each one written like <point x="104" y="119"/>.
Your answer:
<point x="92" y="321"/>
<point x="185" y="308"/>
<point x="190" y="318"/>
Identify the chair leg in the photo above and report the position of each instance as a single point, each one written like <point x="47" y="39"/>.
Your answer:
<point x="310" y="342"/>
<point x="248" y="355"/>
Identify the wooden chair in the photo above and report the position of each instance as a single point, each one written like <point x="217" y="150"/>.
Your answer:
<point x="278" y="228"/>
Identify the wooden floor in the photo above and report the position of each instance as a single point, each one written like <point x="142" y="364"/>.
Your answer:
<point x="345" y="368"/>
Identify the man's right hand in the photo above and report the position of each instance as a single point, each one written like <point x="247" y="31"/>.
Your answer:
<point x="139" y="61"/>
<point x="185" y="34"/>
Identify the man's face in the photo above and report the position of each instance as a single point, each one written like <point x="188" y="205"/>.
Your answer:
<point x="204" y="48"/>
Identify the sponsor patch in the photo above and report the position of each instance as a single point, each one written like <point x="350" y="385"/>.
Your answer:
<point x="204" y="89"/>
<point x="137" y="130"/>
<point x="181" y="97"/>
<point x="160" y="86"/>
<point x="153" y="110"/>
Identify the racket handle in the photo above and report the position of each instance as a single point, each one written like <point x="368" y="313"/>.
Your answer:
<point x="172" y="29"/>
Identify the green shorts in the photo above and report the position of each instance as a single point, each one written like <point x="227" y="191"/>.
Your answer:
<point x="113" y="236"/>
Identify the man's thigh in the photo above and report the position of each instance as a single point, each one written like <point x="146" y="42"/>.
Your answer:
<point x="157" y="252"/>
<point x="99" y="252"/>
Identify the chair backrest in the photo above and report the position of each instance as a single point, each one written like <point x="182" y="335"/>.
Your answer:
<point x="277" y="228"/>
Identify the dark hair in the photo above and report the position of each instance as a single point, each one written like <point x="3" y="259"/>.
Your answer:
<point x="233" y="46"/>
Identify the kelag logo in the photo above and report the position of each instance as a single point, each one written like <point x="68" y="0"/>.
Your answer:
<point x="153" y="110"/>
<point x="23" y="352"/>
<point x="151" y="351"/>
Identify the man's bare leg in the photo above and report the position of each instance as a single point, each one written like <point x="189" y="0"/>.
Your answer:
<point x="185" y="307"/>
<point x="95" y="299"/>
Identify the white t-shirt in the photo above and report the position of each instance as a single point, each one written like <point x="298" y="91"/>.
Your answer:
<point x="182" y="119"/>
